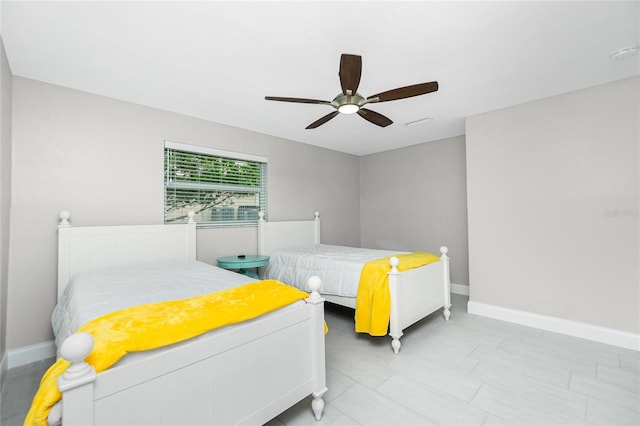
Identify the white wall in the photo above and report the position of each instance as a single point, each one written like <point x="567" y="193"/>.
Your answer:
<point x="5" y="189"/>
<point x="553" y="206"/>
<point x="415" y="198"/>
<point x="102" y="159"/>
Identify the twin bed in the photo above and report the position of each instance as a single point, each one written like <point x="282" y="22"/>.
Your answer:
<point x="296" y="251"/>
<point x="246" y="373"/>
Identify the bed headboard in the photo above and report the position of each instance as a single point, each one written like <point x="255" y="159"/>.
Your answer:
<point x="97" y="247"/>
<point x="276" y="235"/>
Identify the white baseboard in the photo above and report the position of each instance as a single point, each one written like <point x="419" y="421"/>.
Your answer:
<point x="28" y="354"/>
<point x="460" y="289"/>
<point x="595" y="333"/>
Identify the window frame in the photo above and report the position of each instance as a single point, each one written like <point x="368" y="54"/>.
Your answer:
<point x="261" y="190"/>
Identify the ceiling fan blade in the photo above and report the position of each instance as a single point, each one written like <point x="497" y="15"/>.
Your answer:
<point x="350" y="72"/>
<point x="323" y="120"/>
<point x="298" y="100"/>
<point x="406" y="92"/>
<point x="374" y="117"/>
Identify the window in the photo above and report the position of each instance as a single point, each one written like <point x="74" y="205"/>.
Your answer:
<point x="222" y="188"/>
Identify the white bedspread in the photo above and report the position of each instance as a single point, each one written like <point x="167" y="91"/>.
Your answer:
<point x="337" y="266"/>
<point x="90" y="295"/>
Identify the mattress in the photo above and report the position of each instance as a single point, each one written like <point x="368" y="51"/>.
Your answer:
<point x="337" y="266"/>
<point x="90" y="295"/>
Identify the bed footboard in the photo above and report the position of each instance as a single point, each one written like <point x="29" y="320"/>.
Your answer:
<point x="247" y="374"/>
<point x="416" y="293"/>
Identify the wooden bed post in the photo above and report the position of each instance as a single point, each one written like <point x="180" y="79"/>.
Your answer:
<point x="316" y="227"/>
<point x="395" y="331"/>
<point x="76" y="383"/>
<point x="262" y="238"/>
<point x="318" y="353"/>
<point x="191" y="223"/>
<point x="447" y="283"/>
<point x="63" y="247"/>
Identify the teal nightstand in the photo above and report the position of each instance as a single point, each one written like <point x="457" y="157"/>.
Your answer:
<point x="242" y="264"/>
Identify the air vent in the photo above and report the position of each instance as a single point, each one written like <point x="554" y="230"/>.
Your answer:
<point x="624" y="53"/>
<point x="420" y="121"/>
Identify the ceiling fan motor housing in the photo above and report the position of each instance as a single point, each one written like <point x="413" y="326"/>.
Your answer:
<point x="348" y="104"/>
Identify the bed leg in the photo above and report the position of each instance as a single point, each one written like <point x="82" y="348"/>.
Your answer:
<point x="317" y="405"/>
<point x="395" y="344"/>
<point x="447" y="312"/>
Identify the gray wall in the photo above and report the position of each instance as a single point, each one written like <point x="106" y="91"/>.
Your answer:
<point x="414" y="198"/>
<point x="102" y="159"/>
<point x="553" y="206"/>
<point x="5" y="190"/>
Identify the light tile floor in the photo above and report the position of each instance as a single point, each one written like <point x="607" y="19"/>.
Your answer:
<point x="467" y="371"/>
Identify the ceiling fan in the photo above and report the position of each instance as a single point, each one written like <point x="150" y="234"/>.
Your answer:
<point x="349" y="101"/>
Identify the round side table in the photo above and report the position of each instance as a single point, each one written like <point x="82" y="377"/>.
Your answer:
<point x="242" y="264"/>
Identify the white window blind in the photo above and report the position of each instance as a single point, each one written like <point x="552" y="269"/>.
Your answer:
<point x="223" y="188"/>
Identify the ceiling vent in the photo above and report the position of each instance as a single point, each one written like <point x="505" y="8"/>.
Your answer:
<point x="624" y="53"/>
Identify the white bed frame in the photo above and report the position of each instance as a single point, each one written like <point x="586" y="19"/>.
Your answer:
<point x="415" y="293"/>
<point x="247" y="374"/>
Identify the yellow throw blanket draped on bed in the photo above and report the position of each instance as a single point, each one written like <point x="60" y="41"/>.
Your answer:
<point x="154" y="325"/>
<point x="373" y="301"/>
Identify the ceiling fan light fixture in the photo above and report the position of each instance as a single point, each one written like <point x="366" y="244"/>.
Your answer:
<point x="348" y="108"/>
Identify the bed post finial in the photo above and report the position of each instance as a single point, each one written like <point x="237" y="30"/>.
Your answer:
<point x="75" y="349"/>
<point x="260" y="216"/>
<point x="394" y="262"/>
<point x="444" y="250"/>
<point x="191" y="214"/>
<point x="77" y="381"/>
<point x="316" y="215"/>
<point x="314" y="284"/>
<point x="64" y="216"/>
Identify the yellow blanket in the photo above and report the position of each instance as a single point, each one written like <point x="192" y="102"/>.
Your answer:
<point x="373" y="300"/>
<point x="154" y="325"/>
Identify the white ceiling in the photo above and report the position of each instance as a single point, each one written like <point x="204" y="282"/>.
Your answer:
<point x="217" y="60"/>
